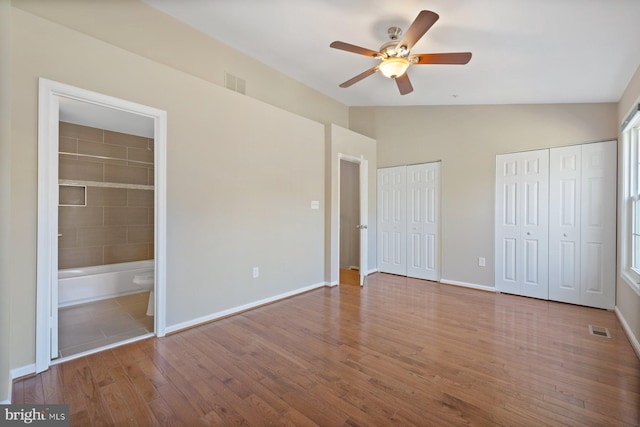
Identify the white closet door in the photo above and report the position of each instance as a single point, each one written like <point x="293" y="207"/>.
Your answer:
<point x="522" y="223"/>
<point x="565" y="173"/>
<point x="392" y="223"/>
<point x="508" y="257"/>
<point x="423" y="184"/>
<point x="535" y="224"/>
<point x="598" y="225"/>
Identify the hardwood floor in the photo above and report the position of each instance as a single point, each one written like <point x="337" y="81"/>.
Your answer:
<point x="349" y="277"/>
<point x="398" y="351"/>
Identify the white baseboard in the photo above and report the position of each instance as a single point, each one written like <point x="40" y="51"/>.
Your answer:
<point x="17" y="373"/>
<point x="373" y="270"/>
<point x="8" y="400"/>
<point x="23" y="370"/>
<point x="627" y="329"/>
<point x="239" y="309"/>
<point x="468" y="285"/>
<point x="332" y="284"/>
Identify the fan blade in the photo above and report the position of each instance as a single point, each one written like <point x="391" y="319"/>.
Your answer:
<point x="404" y="84"/>
<point x="420" y="25"/>
<point x="355" y="49"/>
<point x="441" y="58"/>
<point x="359" y="77"/>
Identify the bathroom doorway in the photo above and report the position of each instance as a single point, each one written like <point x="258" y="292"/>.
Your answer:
<point x="101" y="216"/>
<point x="357" y="211"/>
<point x="349" y="223"/>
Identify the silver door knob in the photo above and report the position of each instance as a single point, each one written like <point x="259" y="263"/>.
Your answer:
<point x="564" y="235"/>
<point x="528" y="233"/>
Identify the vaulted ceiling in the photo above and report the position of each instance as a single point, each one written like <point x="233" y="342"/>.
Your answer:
<point x="524" y="51"/>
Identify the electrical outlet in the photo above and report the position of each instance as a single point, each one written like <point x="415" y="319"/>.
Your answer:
<point x="256" y="272"/>
<point x="482" y="262"/>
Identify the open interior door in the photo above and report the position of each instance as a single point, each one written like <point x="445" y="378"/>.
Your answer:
<point x="364" y="219"/>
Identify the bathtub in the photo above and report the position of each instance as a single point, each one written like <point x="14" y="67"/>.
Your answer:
<point x="85" y="284"/>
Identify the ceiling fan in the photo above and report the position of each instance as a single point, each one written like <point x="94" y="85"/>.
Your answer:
<point x="395" y="55"/>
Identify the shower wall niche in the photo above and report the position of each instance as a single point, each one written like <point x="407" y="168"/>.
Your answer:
<point x="106" y="197"/>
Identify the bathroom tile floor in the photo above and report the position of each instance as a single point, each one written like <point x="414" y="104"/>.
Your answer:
<point x="87" y="326"/>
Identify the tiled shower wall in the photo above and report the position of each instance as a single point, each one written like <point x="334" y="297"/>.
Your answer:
<point x="116" y="225"/>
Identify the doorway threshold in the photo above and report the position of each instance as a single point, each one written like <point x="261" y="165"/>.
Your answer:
<point x="99" y="349"/>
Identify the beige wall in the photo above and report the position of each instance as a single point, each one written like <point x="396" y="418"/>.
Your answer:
<point x="5" y="195"/>
<point x="145" y="31"/>
<point x="235" y="199"/>
<point x="627" y="300"/>
<point x="466" y="139"/>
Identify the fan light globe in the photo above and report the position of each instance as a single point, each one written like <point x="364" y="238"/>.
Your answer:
<point x="394" y="67"/>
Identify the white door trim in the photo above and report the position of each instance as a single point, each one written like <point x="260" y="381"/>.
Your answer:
<point x="50" y="93"/>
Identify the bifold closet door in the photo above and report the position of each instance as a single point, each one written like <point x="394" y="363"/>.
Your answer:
<point x="565" y="175"/>
<point x="423" y="195"/>
<point x="583" y="224"/>
<point x="408" y="220"/>
<point x="522" y="227"/>
<point x="598" y="224"/>
<point x="392" y="221"/>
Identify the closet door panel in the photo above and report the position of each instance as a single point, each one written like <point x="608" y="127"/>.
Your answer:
<point x="392" y="220"/>
<point x="509" y="257"/>
<point x="535" y="224"/>
<point x="423" y="186"/>
<point x="508" y="272"/>
<point x="598" y="227"/>
<point x="522" y="226"/>
<point x="564" y="224"/>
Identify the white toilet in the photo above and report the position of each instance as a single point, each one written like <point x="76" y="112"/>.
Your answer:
<point x="146" y="280"/>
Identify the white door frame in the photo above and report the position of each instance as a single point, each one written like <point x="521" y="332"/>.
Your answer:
<point x="364" y="214"/>
<point x="50" y="93"/>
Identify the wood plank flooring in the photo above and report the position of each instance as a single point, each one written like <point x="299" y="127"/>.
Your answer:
<point x="397" y="352"/>
<point x="349" y="277"/>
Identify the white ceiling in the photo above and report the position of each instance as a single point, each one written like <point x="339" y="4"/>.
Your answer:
<point x="101" y="117"/>
<point x="524" y="51"/>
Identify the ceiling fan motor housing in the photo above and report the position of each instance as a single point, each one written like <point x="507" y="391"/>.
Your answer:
<point x="391" y="49"/>
<point x="394" y="33"/>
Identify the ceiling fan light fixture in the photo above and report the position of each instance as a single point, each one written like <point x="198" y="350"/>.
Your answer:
<point x="393" y="67"/>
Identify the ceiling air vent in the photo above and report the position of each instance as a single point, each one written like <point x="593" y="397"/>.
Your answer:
<point x="599" y="331"/>
<point x="235" y="83"/>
